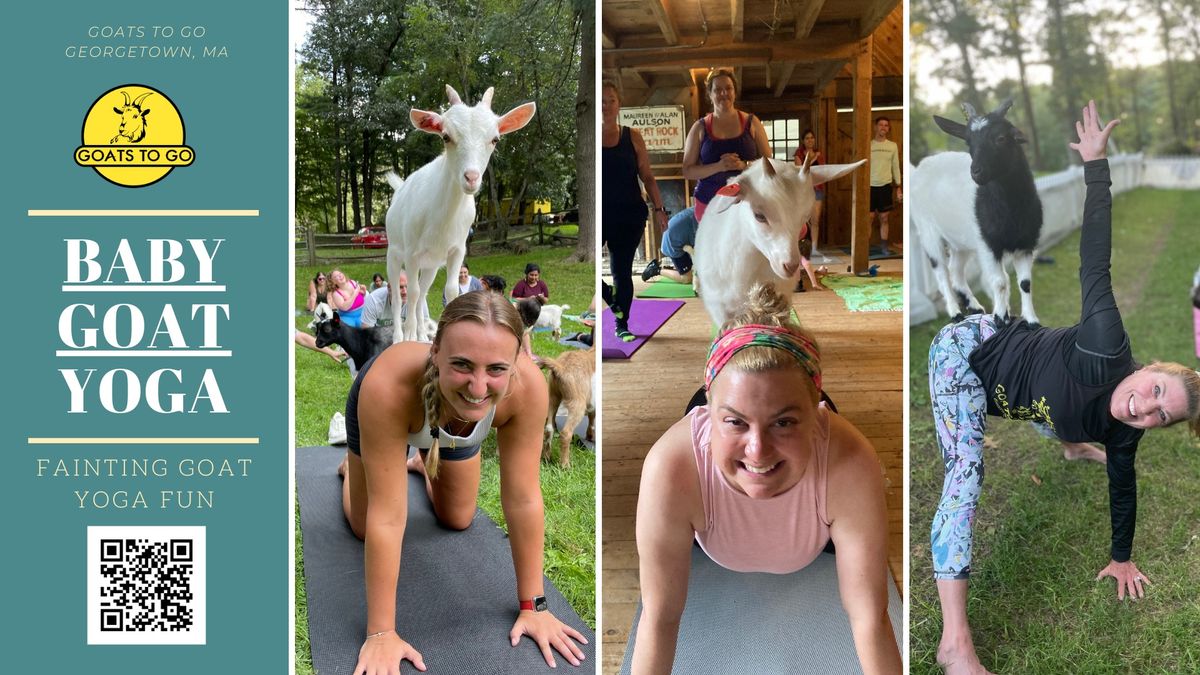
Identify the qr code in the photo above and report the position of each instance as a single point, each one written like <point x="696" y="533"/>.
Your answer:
<point x="146" y="585"/>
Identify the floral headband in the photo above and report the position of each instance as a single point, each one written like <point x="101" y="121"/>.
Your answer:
<point x="760" y="335"/>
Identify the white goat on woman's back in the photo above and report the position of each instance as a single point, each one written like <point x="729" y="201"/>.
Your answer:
<point x="753" y="236"/>
<point x="432" y="211"/>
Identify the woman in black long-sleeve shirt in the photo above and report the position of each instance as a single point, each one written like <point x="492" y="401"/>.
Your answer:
<point x="1080" y="382"/>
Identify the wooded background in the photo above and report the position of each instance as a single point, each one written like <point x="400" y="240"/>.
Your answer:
<point x="366" y="63"/>
<point x="984" y="52"/>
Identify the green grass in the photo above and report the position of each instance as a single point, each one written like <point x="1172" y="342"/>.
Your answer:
<point x="1034" y="605"/>
<point x="569" y="495"/>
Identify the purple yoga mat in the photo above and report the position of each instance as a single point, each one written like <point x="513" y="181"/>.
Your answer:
<point x="646" y="317"/>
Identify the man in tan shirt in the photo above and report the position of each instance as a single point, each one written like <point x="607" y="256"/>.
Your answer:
<point x="885" y="171"/>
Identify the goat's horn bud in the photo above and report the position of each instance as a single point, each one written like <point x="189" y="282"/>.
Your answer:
<point x="768" y="168"/>
<point x="486" y="101"/>
<point x="138" y="101"/>
<point x="452" y="95"/>
<point x="126" y="96"/>
<point x="969" y="111"/>
<point x="1003" y="109"/>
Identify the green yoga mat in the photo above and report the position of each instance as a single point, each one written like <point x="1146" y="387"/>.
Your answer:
<point x="667" y="288"/>
<point x="868" y="294"/>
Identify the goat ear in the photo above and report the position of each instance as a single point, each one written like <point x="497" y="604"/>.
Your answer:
<point x="426" y="121"/>
<point x="744" y="192"/>
<point x="118" y="110"/>
<point x="951" y="127"/>
<point x="452" y="95"/>
<point x="823" y="173"/>
<point x="145" y="112"/>
<point x="768" y="169"/>
<point x="517" y="118"/>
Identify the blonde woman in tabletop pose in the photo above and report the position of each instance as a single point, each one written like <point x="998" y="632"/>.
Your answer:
<point x="444" y="398"/>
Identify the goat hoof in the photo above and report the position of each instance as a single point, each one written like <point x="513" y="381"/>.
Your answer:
<point x="1034" y="324"/>
<point x="957" y="317"/>
<point x="974" y="310"/>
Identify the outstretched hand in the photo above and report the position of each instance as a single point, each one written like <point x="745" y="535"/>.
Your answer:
<point x="547" y="631"/>
<point x="382" y="654"/>
<point x="1093" y="140"/>
<point x="1129" y="578"/>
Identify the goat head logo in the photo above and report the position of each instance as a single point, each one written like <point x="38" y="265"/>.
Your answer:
<point x="141" y="152"/>
<point x="133" y="119"/>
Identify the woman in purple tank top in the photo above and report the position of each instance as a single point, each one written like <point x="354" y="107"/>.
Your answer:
<point x="763" y="476"/>
<point x="721" y="143"/>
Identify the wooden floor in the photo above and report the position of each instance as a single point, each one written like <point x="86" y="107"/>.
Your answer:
<point x="862" y="365"/>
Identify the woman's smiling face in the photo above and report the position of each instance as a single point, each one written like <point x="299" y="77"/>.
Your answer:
<point x="762" y="425"/>
<point x="1148" y="398"/>
<point x="475" y="365"/>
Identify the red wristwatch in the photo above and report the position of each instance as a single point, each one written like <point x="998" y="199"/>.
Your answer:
<point x="537" y="604"/>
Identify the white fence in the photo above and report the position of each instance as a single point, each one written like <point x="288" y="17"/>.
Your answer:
<point x="1062" y="207"/>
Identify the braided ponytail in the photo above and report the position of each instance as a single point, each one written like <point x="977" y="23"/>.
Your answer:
<point x="431" y="399"/>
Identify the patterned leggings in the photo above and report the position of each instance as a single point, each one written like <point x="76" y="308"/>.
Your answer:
<point x="959" y="412"/>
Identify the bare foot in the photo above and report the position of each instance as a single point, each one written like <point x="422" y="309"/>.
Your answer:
<point x="960" y="661"/>
<point x="343" y="467"/>
<point x="416" y="465"/>
<point x="1076" y="451"/>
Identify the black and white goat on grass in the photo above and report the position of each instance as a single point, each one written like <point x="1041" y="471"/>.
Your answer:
<point x="984" y="203"/>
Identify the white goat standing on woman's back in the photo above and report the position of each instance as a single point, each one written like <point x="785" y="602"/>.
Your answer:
<point x="981" y="203"/>
<point x="432" y="211"/>
<point x="753" y="236"/>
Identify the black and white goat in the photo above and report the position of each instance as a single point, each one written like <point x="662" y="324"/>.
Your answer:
<point x="360" y="343"/>
<point x="981" y="203"/>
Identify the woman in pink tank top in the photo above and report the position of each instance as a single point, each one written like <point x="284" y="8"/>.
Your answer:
<point x="762" y="477"/>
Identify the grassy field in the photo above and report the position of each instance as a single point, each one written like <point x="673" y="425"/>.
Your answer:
<point x="570" y="554"/>
<point x="1042" y="527"/>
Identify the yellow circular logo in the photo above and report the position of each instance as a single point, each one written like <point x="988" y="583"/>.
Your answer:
<point x="133" y="136"/>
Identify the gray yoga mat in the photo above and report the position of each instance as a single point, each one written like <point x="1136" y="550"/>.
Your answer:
<point x="456" y="600"/>
<point x="765" y="623"/>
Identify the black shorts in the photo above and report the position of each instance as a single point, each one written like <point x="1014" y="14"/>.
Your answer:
<point x="881" y="198"/>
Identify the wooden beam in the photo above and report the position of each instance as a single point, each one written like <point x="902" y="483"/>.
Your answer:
<point x="737" y="75"/>
<point x="806" y="18"/>
<point x="730" y="54"/>
<point x="662" y="14"/>
<point x="634" y="75"/>
<point x="784" y="76"/>
<point x="843" y="34"/>
<point x="860" y="222"/>
<point x="876" y="12"/>
<point x="737" y="19"/>
<point x="827" y="74"/>
<point x="608" y="37"/>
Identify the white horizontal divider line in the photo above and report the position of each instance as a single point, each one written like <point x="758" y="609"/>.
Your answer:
<point x="165" y="353"/>
<point x="253" y="440"/>
<point x="143" y="288"/>
<point x="135" y="213"/>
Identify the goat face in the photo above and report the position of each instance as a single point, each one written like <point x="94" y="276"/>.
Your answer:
<point x="993" y="141"/>
<point x="780" y="198"/>
<point x="471" y="133"/>
<point x="326" y="326"/>
<point x="133" y="118"/>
